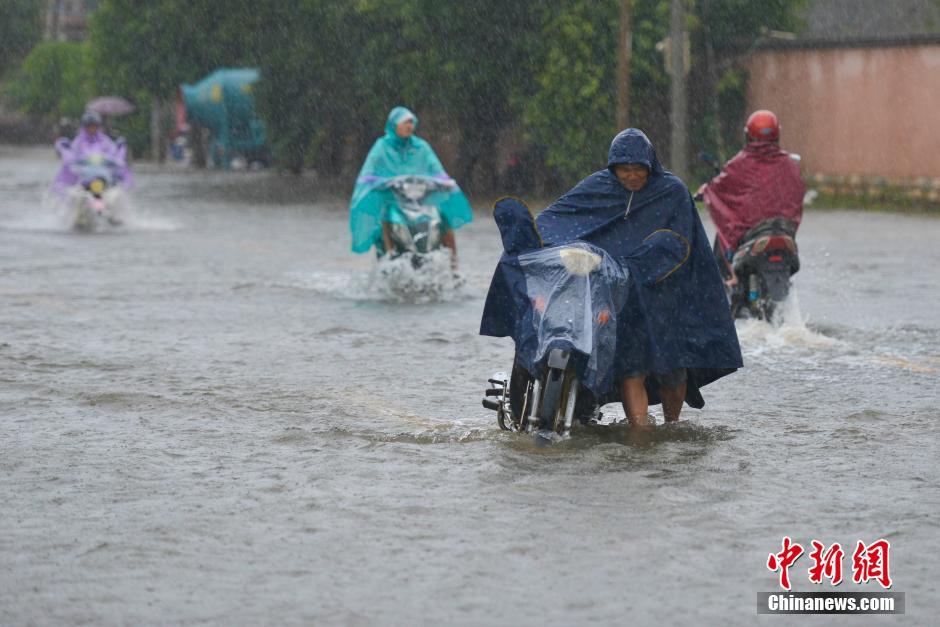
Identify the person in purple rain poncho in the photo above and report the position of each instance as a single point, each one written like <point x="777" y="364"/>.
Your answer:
<point x="91" y="140"/>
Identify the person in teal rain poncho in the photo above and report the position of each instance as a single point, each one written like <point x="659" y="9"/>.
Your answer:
<point x="401" y="152"/>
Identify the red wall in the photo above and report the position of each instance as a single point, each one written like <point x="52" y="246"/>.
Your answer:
<point x="864" y="111"/>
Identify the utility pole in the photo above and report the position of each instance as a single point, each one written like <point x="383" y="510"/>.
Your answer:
<point x="156" y="130"/>
<point x="623" y="64"/>
<point x="678" y="112"/>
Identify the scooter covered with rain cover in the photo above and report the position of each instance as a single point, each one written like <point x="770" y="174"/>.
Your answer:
<point x="565" y="339"/>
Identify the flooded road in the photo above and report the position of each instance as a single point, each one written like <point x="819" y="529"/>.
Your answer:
<point x="214" y="416"/>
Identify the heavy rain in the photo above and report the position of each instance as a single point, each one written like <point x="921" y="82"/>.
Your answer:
<point x="401" y="312"/>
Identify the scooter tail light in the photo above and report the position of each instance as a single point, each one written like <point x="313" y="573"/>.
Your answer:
<point x="781" y="242"/>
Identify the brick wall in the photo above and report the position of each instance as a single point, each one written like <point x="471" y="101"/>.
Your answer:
<point x="855" y="113"/>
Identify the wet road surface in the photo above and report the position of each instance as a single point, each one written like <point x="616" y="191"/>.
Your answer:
<point x="216" y="415"/>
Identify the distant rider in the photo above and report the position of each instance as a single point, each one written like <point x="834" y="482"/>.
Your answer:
<point x="400" y="152"/>
<point x="761" y="182"/>
<point x="91" y="138"/>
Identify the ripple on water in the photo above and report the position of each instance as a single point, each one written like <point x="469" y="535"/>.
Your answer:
<point x="587" y="437"/>
<point x="868" y="415"/>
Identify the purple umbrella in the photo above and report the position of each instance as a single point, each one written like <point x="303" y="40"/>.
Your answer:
<point x="110" y="105"/>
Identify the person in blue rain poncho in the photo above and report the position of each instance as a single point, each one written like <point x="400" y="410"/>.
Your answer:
<point x="675" y="333"/>
<point x="401" y="152"/>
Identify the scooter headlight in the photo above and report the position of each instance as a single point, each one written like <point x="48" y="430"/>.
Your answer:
<point x="415" y="190"/>
<point x="96" y="187"/>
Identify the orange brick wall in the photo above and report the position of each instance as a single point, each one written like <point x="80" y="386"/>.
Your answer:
<point x="855" y="111"/>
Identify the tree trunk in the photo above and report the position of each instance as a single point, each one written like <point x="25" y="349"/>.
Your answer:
<point x="333" y="153"/>
<point x="156" y="135"/>
<point x="678" y="110"/>
<point x="719" y="137"/>
<point x="296" y="155"/>
<point x="200" y="141"/>
<point x="623" y="64"/>
<point x="467" y="157"/>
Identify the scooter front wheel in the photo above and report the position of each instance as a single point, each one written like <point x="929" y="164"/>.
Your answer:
<point x="551" y="399"/>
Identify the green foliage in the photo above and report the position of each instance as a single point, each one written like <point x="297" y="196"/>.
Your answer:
<point x="153" y="46"/>
<point x="723" y="33"/>
<point x="331" y="70"/>
<point x="475" y="57"/>
<point x="649" y="81"/>
<point x="20" y="28"/>
<point x="53" y="81"/>
<point x="732" y="26"/>
<point x="572" y="111"/>
<point x="145" y="50"/>
<point x="308" y="91"/>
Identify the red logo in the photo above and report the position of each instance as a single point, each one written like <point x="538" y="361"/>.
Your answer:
<point x="868" y="562"/>
<point x="826" y="564"/>
<point x="783" y="560"/>
<point x="871" y="562"/>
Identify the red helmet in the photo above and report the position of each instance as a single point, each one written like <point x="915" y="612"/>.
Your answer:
<point x="762" y="126"/>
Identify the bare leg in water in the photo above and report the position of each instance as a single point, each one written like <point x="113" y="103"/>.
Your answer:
<point x="672" y="401"/>
<point x="450" y="241"/>
<point x="387" y="238"/>
<point x="636" y="401"/>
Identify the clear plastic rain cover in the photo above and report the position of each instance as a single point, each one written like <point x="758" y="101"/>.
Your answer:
<point x="576" y="292"/>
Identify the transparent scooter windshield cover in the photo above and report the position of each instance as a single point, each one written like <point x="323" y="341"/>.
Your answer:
<point x="576" y="292"/>
<point x="415" y="217"/>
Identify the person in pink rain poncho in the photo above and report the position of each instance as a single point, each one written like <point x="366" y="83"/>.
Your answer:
<point x="761" y="182"/>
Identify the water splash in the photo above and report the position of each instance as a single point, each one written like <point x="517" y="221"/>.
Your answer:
<point x="57" y="214"/>
<point x="137" y="220"/>
<point x="49" y="216"/>
<point x="788" y="330"/>
<point x="403" y="280"/>
<point x="392" y="280"/>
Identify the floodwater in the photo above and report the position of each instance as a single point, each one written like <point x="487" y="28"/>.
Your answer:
<point x="216" y="416"/>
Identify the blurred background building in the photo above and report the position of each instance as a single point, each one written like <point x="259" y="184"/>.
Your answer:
<point x="67" y="20"/>
<point x="856" y="90"/>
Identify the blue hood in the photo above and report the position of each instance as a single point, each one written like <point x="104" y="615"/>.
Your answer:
<point x="633" y="146"/>
<point x="516" y="226"/>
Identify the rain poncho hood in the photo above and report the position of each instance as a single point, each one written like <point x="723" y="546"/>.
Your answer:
<point x="759" y="183"/>
<point x="508" y="310"/>
<point x="392" y="156"/>
<point x="676" y="314"/>
<point x="84" y="145"/>
<point x="516" y="226"/>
